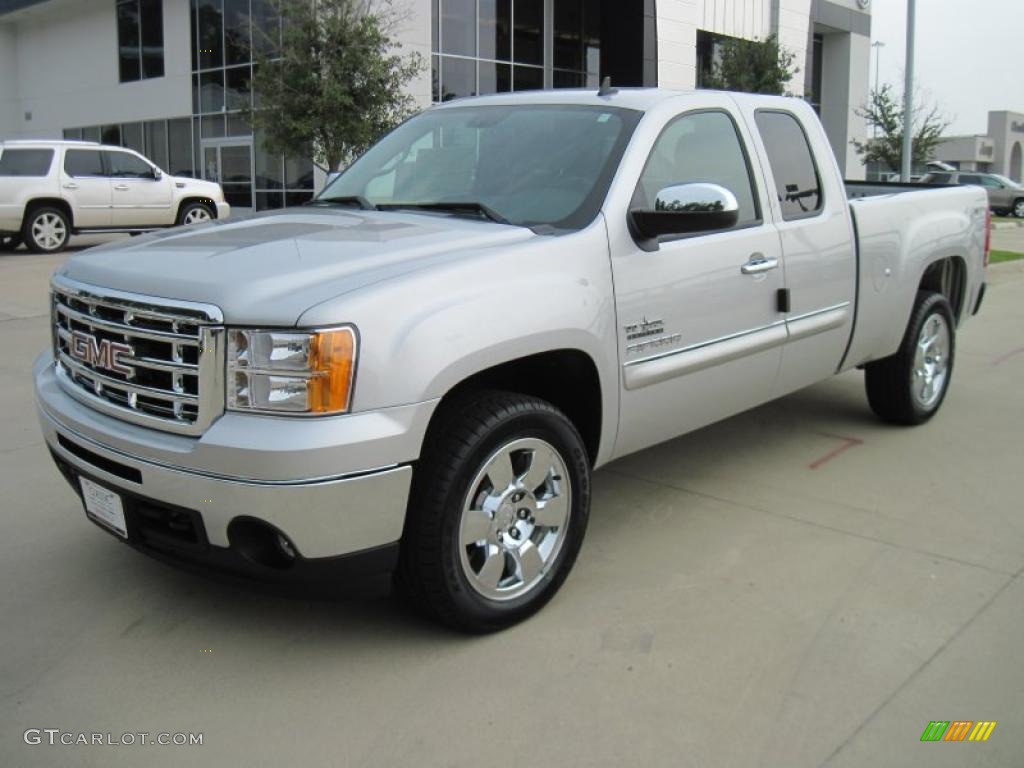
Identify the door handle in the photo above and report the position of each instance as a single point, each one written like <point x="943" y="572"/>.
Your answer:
<point x="71" y="185"/>
<point x="758" y="264"/>
<point x="122" y="187"/>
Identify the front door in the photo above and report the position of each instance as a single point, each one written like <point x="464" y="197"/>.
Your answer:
<point x="138" y="197"/>
<point x="700" y="334"/>
<point x="229" y="163"/>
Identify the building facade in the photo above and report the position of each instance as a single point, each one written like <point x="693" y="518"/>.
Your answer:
<point x="168" y="77"/>
<point x="1000" y="150"/>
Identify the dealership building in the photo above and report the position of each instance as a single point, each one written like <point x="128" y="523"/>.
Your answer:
<point x="168" y="77"/>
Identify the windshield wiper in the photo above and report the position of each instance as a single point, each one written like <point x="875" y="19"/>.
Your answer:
<point x="358" y="200"/>
<point x="471" y="207"/>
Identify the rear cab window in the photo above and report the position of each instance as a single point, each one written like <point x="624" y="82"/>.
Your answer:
<point x="83" y="162"/>
<point x="25" y="162"/>
<point x="797" y="181"/>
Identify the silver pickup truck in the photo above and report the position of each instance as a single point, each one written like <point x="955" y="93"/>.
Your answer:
<point x="419" y="372"/>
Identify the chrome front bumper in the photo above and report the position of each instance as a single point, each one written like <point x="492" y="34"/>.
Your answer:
<point x="251" y="468"/>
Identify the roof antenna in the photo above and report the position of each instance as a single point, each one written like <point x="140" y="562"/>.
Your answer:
<point x="606" y="87"/>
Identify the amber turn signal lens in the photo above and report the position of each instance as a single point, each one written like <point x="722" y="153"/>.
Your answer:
<point x="332" y="364"/>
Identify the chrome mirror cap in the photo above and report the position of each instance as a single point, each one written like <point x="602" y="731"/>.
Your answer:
<point x="699" y="197"/>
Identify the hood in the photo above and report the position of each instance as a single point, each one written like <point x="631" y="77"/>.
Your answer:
<point x="211" y="188"/>
<point x="268" y="270"/>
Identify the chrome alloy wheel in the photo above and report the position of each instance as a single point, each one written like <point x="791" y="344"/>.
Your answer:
<point x="49" y="231"/>
<point x="197" y="215"/>
<point x="514" y="519"/>
<point x="931" y="361"/>
<point x="1018" y="209"/>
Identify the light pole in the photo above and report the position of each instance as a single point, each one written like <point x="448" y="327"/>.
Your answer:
<point x="878" y="45"/>
<point x="908" y="98"/>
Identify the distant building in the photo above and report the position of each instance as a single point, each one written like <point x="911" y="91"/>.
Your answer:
<point x="167" y="77"/>
<point x="1001" y="150"/>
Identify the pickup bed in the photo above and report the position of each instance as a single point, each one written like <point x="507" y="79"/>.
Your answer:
<point x="420" y="371"/>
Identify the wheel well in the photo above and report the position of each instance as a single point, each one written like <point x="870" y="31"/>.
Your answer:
<point x="42" y="202"/>
<point x="212" y="206"/>
<point x="566" y="378"/>
<point x="948" y="277"/>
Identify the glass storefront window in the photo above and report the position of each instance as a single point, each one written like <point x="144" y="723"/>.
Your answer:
<point x="496" y="29"/>
<point x="528" y="34"/>
<point x="179" y="147"/>
<point x="156" y="142"/>
<point x="211" y="91"/>
<point x="238" y="90"/>
<point x="131" y="136"/>
<point x="458" y="27"/>
<point x="209" y="33"/>
<point x="237" y="38"/>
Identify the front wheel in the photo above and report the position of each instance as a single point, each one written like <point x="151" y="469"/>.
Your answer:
<point x="195" y="213"/>
<point x="46" y="230"/>
<point x="497" y="512"/>
<point x="909" y="387"/>
<point x="1018" y="208"/>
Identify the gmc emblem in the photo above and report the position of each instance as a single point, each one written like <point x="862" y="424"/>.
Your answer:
<point x="101" y="354"/>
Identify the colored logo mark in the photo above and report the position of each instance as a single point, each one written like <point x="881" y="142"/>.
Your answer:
<point x="958" y="730"/>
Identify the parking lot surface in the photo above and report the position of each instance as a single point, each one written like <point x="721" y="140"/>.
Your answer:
<point x="800" y="585"/>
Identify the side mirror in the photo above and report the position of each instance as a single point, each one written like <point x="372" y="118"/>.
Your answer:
<point x="687" y="208"/>
<point x="157" y="174"/>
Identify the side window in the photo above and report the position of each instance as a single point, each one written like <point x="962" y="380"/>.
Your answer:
<point x="704" y="146"/>
<point x="83" y="162"/>
<point x="990" y="183"/>
<point x="797" y="182"/>
<point x="25" y="162"/>
<point x="124" y="165"/>
<point x="937" y="178"/>
<point x="967" y="178"/>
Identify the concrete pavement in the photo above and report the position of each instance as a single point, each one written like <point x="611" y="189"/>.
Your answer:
<point x="797" y="586"/>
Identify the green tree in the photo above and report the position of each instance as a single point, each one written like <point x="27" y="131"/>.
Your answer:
<point x="750" y="66"/>
<point x="334" y="85"/>
<point x="884" y="112"/>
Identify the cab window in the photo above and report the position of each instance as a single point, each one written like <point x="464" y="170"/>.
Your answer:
<point x="125" y="165"/>
<point x="83" y="162"/>
<point x="699" y="147"/>
<point x="797" y="182"/>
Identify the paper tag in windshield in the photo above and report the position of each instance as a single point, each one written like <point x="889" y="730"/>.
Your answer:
<point x="604" y="117"/>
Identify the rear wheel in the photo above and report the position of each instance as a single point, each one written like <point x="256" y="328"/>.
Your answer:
<point x="497" y="511"/>
<point x="46" y="230"/>
<point x="195" y="213"/>
<point x="909" y="387"/>
<point x="9" y="242"/>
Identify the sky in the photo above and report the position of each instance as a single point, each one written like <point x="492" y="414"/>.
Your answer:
<point x="969" y="55"/>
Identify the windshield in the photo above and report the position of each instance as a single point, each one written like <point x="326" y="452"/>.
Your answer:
<point x="542" y="166"/>
<point x="1008" y="182"/>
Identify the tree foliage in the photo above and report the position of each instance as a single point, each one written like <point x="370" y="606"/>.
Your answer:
<point x="751" y="66"/>
<point x="334" y="85"/>
<point x="885" y="112"/>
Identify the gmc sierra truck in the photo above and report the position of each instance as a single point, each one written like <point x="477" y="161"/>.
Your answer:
<point x="419" y="371"/>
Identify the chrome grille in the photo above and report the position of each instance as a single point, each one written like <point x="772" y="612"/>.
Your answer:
<point x="167" y="368"/>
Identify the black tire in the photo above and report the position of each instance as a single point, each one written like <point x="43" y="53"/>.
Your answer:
<point x="463" y="436"/>
<point x="1018" y="208"/>
<point x="53" y="219"/>
<point x="189" y="208"/>
<point x="9" y="243"/>
<point x="890" y="382"/>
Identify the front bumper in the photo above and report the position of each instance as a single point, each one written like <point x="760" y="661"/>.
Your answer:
<point x="223" y="210"/>
<point x="165" y="488"/>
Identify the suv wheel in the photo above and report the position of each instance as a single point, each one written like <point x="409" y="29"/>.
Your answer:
<point x="497" y="512"/>
<point x="909" y="387"/>
<point x="195" y="213"/>
<point x="1018" y="208"/>
<point x="46" y="230"/>
<point x="9" y="242"/>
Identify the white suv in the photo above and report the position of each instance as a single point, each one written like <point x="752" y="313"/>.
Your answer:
<point x="50" y="190"/>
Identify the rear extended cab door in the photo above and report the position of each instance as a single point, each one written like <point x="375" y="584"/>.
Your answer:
<point x="811" y="213"/>
<point x="85" y="186"/>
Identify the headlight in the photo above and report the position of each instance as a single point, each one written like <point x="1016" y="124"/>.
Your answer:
<point x="307" y="372"/>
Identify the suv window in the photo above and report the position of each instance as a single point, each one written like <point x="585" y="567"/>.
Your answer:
<point x="25" y="162"/>
<point x="702" y="146"/>
<point x="966" y="178"/>
<point x="797" y="182"/>
<point x="936" y="178"/>
<point x="83" y="162"/>
<point x="988" y="181"/>
<point x="125" y="165"/>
